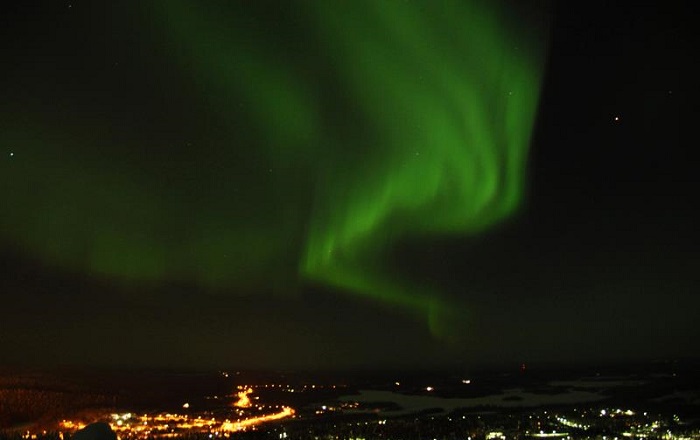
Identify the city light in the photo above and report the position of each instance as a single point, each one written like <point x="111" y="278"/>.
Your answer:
<point x="128" y="425"/>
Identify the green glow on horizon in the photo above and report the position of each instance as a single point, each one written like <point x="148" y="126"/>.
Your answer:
<point x="361" y="125"/>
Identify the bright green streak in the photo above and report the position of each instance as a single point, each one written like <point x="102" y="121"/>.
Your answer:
<point x="451" y="104"/>
<point x="356" y="125"/>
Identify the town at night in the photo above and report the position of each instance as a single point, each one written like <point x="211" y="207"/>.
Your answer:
<point x="349" y="220"/>
<point x="517" y="404"/>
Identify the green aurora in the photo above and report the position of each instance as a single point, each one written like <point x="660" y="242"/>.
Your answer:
<point x="314" y="142"/>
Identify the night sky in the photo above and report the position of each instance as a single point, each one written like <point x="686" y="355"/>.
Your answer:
<point x="334" y="184"/>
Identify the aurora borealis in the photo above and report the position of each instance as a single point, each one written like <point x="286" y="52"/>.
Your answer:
<point x="376" y="155"/>
<point x="442" y="102"/>
<point x="450" y="126"/>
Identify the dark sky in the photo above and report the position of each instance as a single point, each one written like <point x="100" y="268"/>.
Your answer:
<point x="332" y="185"/>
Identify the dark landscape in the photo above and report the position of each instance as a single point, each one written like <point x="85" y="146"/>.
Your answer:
<point x="651" y="400"/>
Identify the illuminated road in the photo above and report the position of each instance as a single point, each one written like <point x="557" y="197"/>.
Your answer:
<point x="245" y="423"/>
<point x="166" y="424"/>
